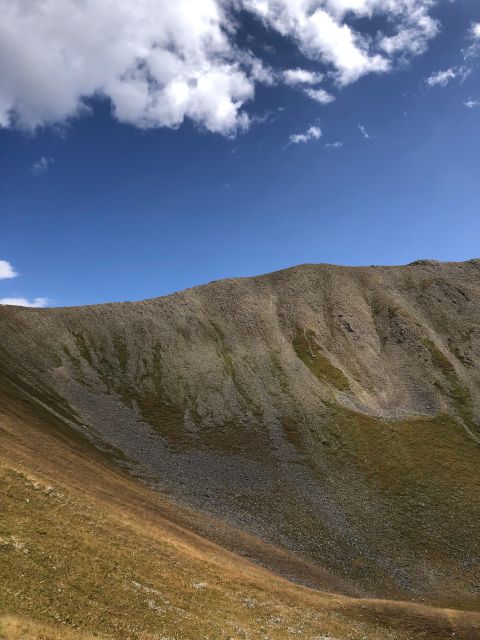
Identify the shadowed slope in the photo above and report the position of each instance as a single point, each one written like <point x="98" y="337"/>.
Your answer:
<point x="331" y="411"/>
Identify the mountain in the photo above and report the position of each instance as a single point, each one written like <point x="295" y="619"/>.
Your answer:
<point x="322" y="422"/>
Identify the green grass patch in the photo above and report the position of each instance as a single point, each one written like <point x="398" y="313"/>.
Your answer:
<point x="83" y="347"/>
<point x="461" y="397"/>
<point x="307" y="349"/>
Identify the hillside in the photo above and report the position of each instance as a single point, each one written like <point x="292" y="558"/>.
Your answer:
<point x="87" y="552"/>
<point x="322" y="421"/>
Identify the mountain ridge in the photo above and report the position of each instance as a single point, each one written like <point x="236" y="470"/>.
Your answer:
<point x="305" y="265"/>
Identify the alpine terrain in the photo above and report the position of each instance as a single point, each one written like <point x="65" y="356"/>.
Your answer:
<point x="295" y="455"/>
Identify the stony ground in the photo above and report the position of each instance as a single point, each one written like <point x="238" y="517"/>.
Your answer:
<point x="87" y="551"/>
<point x="330" y="412"/>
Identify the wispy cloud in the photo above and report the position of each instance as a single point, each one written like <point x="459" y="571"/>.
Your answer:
<point x="471" y="104"/>
<point x="37" y="303"/>
<point x="320" y="95"/>
<point x="364" y="132"/>
<point x="333" y="145"/>
<point x="306" y="81"/>
<point x="41" y="166"/>
<point x="312" y="133"/>
<point x="6" y="270"/>
<point x="441" y="78"/>
<point x="295" y="77"/>
<point x="461" y="71"/>
<point x="471" y="53"/>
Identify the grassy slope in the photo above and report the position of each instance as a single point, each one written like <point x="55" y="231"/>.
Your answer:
<point x="19" y="628"/>
<point x="87" y="550"/>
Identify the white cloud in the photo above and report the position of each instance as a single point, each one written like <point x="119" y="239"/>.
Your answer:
<point x="364" y="132"/>
<point x="461" y="71"/>
<point x="41" y="166"/>
<point x="415" y="32"/>
<point x="320" y="95"/>
<point x="441" y="78"/>
<point x="6" y="270"/>
<point x="159" y="62"/>
<point x="470" y="55"/>
<point x="307" y="80"/>
<point x="312" y="133"/>
<point x="294" y="77"/>
<point x="23" y="302"/>
<point x="334" y="145"/>
<point x="322" y="32"/>
<point x="320" y="36"/>
<point x="472" y="104"/>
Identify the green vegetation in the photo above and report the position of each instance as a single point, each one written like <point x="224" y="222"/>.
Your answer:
<point x="82" y="346"/>
<point x="121" y="351"/>
<point x="419" y="472"/>
<point x="460" y="396"/>
<point x="156" y="408"/>
<point x="76" y="364"/>
<point x="17" y="384"/>
<point x="307" y="349"/>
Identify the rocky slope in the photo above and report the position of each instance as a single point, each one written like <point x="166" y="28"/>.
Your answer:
<point x="88" y="552"/>
<point x="331" y="411"/>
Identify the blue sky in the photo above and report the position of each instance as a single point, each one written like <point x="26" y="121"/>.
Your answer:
<point x="102" y="198"/>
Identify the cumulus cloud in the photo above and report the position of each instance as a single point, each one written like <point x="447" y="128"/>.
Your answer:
<point x="41" y="166"/>
<point x="321" y="35"/>
<point x="6" y="270"/>
<point x="322" y="32"/>
<point x="159" y="62"/>
<point x="441" y="78"/>
<point x="312" y="133"/>
<point x="37" y="303"/>
<point x="476" y="30"/>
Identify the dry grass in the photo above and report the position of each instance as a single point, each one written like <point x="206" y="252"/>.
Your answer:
<point x="15" y="628"/>
<point x="86" y="550"/>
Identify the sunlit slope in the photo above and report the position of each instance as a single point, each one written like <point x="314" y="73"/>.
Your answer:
<point x="332" y="411"/>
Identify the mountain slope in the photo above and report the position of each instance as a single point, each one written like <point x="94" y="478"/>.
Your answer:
<point x="89" y="552"/>
<point x="330" y="411"/>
